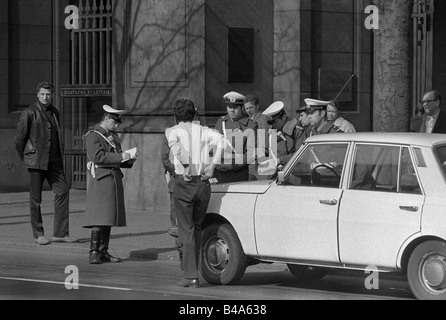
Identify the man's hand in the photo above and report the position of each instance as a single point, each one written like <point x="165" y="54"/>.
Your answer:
<point x="208" y="173"/>
<point x="126" y="156"/>
<point x="187" y="175"/>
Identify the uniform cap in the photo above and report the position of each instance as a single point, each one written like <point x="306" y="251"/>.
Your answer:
<point x="234" y="99"/>
<point x="274" y="109"/>
<point x="113" y="113"/>
<point x="313" y="105"/>
<point x="301" y="109"/>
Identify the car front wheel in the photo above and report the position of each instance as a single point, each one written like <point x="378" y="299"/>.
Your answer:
<point x="223" y="259"/>
<point x="426" y="271"/>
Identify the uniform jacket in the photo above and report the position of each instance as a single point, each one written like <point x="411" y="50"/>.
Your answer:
<point x="302" y="134"/>
<point x="286" y="149"/>
<point x="245" y="129"/>
<point x="105" y="193"/>
<point x="33" y="137"/>
<point x="327" y="128"/>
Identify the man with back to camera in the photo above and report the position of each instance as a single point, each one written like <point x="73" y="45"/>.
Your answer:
<point x="190" y="144"/>
<point x="39" y="144"/>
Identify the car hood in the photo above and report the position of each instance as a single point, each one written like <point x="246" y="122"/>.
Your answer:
<point x="253" y="187"/>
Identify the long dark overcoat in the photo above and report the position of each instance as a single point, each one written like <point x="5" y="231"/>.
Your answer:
<point x="105" y="193"/>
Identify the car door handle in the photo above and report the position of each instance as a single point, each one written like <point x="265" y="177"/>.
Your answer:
<point x="409" y="208"/>
<point x="329" y="202"/>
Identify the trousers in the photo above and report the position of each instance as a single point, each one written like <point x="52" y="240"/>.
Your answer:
<point x="56" y="178"/>
<point x="191" y="202"/>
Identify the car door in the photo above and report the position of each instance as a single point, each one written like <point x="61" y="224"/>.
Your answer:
<point x="382" y="206"/>
<point x="297" y="220"/>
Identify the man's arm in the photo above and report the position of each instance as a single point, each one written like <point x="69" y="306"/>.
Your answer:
<point x="219" y="142"/>
<point x="22" y="134"/>
<point x="174" y="142"/>
<point x="165" y="157"/>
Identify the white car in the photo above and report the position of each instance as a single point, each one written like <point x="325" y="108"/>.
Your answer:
<point x="345" y="201"/>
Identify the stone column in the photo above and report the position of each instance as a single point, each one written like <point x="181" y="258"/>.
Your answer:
<point x="392" y="73"/>
<point x="287" y="53"/>
<point x="4" y="59"/>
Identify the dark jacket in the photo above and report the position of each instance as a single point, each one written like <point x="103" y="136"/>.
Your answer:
<point x="105" y="193"/>
<point x="33" y="137"/>
<point x="440" y="125"/>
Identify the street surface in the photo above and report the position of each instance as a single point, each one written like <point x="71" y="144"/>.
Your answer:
<point x="31" y="272"/>
<point x="150" y="269"/>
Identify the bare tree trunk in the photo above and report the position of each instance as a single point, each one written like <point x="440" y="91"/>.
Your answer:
<point x="391" y="76"/>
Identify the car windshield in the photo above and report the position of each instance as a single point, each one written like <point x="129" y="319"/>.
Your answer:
<point x="320" y="165"/>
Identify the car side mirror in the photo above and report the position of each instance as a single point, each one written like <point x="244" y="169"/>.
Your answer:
<point x="281" y="177"/>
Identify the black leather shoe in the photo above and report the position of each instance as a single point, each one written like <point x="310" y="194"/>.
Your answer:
<point x="189" y="283"/>
<point x="95" y="257"/>
<point x="107" y="257"/>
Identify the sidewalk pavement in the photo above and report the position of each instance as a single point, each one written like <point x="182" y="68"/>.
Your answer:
<point x="145" y="236"/>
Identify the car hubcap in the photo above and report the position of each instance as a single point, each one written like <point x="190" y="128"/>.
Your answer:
<point x="217" y="254"/>
<point x="433" y="274"/>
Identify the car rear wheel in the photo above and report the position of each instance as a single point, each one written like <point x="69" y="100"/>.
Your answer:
<point x="307" y="273"/>
<point x="223" y="259"/>
<point x="426" y="271"/>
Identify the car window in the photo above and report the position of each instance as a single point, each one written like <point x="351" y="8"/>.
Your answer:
<point x="441" y="154"/>
<point x="320" y="165"/>
<point x="408" y="177"/>
<point x="377" y="168"/>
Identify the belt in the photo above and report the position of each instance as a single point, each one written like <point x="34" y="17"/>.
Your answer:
<point x="194" y="178"/>
<point x="180" y="176"/>
<point x="107" y="167"/>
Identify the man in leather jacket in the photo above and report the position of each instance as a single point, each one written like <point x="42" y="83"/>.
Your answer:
<point x="39" y="144"/>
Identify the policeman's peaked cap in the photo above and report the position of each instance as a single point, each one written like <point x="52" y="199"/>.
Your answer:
<point x="113" y="113"/>
<point x="314" y="105"/>
<point x="274" y="109"/>
<point x="234" y="99"/>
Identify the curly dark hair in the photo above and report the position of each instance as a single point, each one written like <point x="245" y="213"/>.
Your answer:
<point x="45" y="85"/>
<point x="184" y="110"/>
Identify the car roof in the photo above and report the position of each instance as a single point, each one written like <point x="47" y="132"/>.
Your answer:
<point x="418" y="139"/>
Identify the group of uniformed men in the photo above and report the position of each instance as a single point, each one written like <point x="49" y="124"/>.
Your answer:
<point x="245" y="121"/>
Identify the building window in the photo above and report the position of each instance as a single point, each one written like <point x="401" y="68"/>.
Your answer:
<point x="240" y="54"/>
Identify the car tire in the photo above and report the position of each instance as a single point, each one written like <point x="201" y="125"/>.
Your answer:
<point x="426" y="271"/>
<point x="307" y="273"/>
<point x="223" y="261"/>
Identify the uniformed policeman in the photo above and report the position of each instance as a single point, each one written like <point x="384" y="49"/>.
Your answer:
<point x="287" y="128"/>
<point x="305" y="127"/>
<point x="240" y="131"/>
<point x="105" y="194"/>
<point x="317" y="111"/>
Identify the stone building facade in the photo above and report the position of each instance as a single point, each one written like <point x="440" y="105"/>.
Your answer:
<point x="141" y="55"/>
